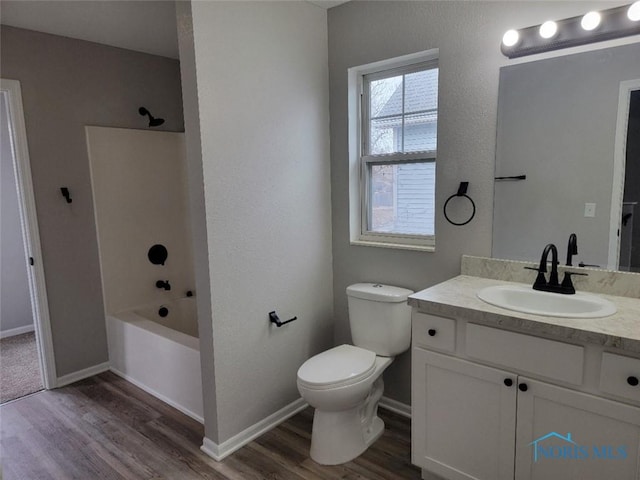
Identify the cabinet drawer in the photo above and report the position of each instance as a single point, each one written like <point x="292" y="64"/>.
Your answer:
<point x="434" y="332"/>
<point x="535" y="355"/>
<point x="618" y="375"/>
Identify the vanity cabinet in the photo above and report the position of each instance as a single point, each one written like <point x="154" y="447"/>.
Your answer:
<point x="463" y="418"/>
<point x="476" y="417"/>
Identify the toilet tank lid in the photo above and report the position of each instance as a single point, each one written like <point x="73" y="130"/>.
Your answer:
<point x="378" y="292"/>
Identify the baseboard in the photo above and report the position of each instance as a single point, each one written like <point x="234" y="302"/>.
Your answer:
<point x="395" y="406"/>
<point x="82" y="374"/>
<point x="226" y="448"/>
<point x="165" y="399"/>
<point x="12" y="332"/>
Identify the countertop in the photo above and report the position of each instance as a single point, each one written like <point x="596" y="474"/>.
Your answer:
<point x="457" y="298"/>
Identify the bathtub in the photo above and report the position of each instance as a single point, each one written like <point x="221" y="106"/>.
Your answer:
<point x="159" y="354"/>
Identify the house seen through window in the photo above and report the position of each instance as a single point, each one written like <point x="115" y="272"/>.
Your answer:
<point x="399" y="128"/>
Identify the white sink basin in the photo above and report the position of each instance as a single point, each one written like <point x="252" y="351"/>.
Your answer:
<point x="528" y="300"/>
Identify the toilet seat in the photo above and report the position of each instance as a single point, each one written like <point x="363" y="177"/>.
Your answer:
<point x="338" y="367"/>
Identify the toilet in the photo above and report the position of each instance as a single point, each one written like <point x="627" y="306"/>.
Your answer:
<point x="344" y="384"/>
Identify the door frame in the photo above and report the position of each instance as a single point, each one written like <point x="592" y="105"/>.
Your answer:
<point x="30" y="230"/>
<point x="619" y="161"/>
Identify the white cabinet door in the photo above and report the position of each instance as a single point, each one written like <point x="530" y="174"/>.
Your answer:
<point x="463" y="418"/>
<point x="568" y="435"/>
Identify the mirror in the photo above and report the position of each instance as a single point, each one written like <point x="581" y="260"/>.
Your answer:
<point x="563" y="123"/>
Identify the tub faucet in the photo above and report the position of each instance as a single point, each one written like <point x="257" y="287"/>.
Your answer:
<point x="163" y="284"/>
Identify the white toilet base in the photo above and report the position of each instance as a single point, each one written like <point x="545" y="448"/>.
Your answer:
<point x="339" y="437"/>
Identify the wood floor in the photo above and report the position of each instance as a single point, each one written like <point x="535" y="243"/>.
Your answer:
<point x="106" y="428"/>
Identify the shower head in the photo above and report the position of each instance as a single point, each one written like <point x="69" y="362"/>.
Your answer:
<point x="153" y="122"/>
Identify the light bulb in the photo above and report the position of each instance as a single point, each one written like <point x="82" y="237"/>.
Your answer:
<point x="590" y="21"/>
<point x="634" y="12"/>
<point x="510" y="38"/>
<point x="548" y="29"/>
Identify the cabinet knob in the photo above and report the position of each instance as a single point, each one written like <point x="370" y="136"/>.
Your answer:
<point x="633" y="381"/>
<point x="431" y="332"/>
<point x="523" y="387"/>
<point x="508" y="382"/>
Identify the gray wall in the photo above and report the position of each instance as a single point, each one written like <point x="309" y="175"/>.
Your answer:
<point x="468" y="35"/>
<point x="67" y="84"/>
<point x="15" y="302"/>
<point x="264" y="122"/>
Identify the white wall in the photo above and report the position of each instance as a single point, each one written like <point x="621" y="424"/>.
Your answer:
<point x="140" y="193"/>
<point x="264" y="122"/>
<point x="198" y="213"/>
<point x="468" y="35"/>
<point x="15" y="302"/>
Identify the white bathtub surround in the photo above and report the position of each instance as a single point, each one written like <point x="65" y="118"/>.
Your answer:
<point x="140" y="195"/>
<point x="162" y="361"/>
<point x="181" y="316"/>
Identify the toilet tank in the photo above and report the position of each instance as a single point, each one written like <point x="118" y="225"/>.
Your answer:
<point x="380" y="318"/>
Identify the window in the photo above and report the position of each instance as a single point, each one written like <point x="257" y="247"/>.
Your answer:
<point x="397" y="153"/>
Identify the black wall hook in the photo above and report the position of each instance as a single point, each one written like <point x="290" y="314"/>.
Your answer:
<point x="66" y="194"/>
<point x="462" y="189"/>
<point x="273" y="318"/>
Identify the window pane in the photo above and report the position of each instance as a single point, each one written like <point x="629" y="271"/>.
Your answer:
<point x="386" y="97"/>
<point x="421" y="132"/>
<point x="402" y="198"/>
<point x="421" y="91"/>
<point x="385" y="135"/>
<point x="403" y="113"/>
<point x="385" y="105"/>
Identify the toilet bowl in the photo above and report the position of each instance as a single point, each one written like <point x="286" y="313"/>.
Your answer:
<point x="344" y="384"/>
<point x="345" y="399"/>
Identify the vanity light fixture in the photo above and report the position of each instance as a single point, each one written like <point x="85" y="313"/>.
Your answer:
<point x="633" y="13"/>
<point x="548" y="29"/>
<point x="510" y="38"/>
<point x="570" y="32"/>
<point x="590" y="21"/>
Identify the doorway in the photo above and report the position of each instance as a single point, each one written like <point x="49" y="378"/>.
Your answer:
<point x="630" y="227"/>
<point x="27" y="363"/>
<point x="624" y="236"/>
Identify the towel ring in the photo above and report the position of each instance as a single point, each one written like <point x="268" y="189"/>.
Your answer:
<point x="462" y="192"/>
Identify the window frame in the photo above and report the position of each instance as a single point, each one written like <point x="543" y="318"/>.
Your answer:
<point x="365" y="75"/>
